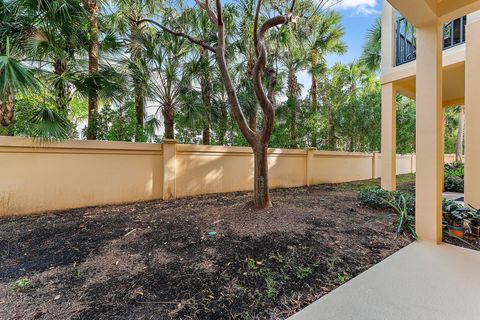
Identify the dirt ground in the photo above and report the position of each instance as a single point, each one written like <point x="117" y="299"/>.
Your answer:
<point x="210" y="257"/>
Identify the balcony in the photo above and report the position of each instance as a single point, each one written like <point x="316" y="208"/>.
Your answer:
<point x="405" y="40"/>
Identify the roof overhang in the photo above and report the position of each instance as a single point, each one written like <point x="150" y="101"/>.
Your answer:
<point x="423" y="12"/>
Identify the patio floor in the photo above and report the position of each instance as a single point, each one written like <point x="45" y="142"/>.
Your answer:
<point x="421" y="282"/>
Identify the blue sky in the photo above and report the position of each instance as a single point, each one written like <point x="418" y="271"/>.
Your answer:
<point x="357" y="18"/>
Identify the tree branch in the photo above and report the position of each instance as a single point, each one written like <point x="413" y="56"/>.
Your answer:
<point x="255" y="26"/>
<point x="271" y="85"/>
<point x="205" y="6"/>
<point x="248" y="133"/>
<point x="264" y="100"/>
<point x="180" y="34"/>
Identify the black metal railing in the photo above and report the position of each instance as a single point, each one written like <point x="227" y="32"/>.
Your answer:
<point x="406" y="42"/>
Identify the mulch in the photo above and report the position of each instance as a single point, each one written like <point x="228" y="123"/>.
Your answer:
<point x="209" y="257"/>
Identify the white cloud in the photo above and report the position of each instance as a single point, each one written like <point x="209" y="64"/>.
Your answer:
<point x="363" y="7"/>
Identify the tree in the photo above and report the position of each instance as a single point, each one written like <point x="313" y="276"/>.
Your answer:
<point x="371" y="54"/>
<point x="126" y="22"/>
<point x="165" y="55"/>
<point x="13" y="78"/>
<point x="93" y="9"/>
<point x="323" y="36"/>
<point x="46" y="37"/>
<point x="258" y="140"/>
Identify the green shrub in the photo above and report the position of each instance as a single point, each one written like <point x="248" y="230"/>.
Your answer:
<point x="449" y="206"/>
<point x="402" y="203"/>
<point x="378" y="198"/>
<point x="454" y="177"/>
<point x="456" y="168"/>
<point x="406" y="220"/>
<point x="454" y="183"/>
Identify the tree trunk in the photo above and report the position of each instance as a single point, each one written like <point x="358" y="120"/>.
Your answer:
<point x="7" y="115"/>
<point x="206" y="136"/>
<point x="168" y="120"/>
<point x="223" y="126"/>
<point x="315" y="110"/>
<point x="460" y="135"/>
<point x="138" y="86"/>
<point x="331" y="129"/>
<point x="205" y="88"/>
<point x="252" y="121"/>
<point x="292" y="119"/>
<point x="93" y="50"/>
<point x="139" y="111"/>
<point x="261" y="191"/>
<point x="63" y="94"/>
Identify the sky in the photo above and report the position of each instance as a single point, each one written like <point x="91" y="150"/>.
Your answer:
<point x="357" y="18"/>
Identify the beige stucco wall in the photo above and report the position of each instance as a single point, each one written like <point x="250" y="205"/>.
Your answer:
<point x="336" y="167"/>
<point x="41" y="177"/>
<point x="216" y="169"/>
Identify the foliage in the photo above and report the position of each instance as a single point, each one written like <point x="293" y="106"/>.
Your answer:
<point x="456" y="169"/>
<point x="22" y="284"/>
<point x="454" y="177"/>
<point x="457" y="215"/>
<point x="144" y="74"/>
<point x="402" y="203"/>
<point x="406" y="219"/>
<point x="454" y="183"/>
<point x="378" y="198"/>
<point x="37" y="116"/>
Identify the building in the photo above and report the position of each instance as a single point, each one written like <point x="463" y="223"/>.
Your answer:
<point x="431" y="53"/>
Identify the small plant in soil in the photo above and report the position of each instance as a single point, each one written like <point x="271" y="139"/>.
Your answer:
<point x="21" y="284"/>
<point x="343" y="278"/>
<point x="405" y="221"/>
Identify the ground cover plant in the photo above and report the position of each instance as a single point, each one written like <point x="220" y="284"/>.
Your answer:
<point x="461" y="224"/>
<point x="211" y="257"/>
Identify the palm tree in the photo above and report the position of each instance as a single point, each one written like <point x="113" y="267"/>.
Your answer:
<point x="93" y="8"/>
<point x="13" y="78"/>
<point x="165" y="55"/>
<point x="48" y="35"/>
<point x="371" y="55"/>
<point x="127" y="21"/>
<point x="202" y="68"/>
<point x="323" y="36"/>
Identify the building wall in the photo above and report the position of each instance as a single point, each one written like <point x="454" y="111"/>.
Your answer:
<point x="40" y="177"/>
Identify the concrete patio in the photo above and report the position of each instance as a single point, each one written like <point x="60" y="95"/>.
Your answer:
<point x="422" y="281"/>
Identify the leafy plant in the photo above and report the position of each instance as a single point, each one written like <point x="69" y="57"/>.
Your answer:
<point x="50" y="125"/>
<point x="343" y="278"/>
<point x="377" y="198"/>
<point x="454" y="183"/>
<point x="406" y="220"/>
<point x="457" y="215"/>
<point x="401" y="203"/>
<point x="454" y="177"/>
<point x="21" y="284"/>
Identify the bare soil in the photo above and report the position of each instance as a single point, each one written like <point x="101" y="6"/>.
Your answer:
<point x="210" y="257"/>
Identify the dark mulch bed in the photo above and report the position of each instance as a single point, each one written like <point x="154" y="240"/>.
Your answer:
<point x="157" y="260"/>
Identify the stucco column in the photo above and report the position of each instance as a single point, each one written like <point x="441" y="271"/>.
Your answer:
<point x="389" y="137"/>
<point x="388" y="37"/>
<point x="472" y="112"/>
<point x="169" y="149"/>
<point x="429" y="133"/>
<point x="309" y="171"/>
